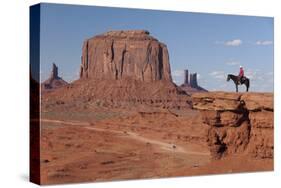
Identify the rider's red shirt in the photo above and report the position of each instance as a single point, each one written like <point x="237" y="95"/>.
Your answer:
<point x="241" y="72"/>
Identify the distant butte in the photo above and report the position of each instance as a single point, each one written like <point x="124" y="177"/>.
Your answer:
<point x="54" y="81"/>
<point x="190" y="84"/>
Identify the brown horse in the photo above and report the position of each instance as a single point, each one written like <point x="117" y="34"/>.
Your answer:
<point x="235" y="79"/>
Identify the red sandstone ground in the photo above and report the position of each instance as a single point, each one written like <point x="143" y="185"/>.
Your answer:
<point x="102" y="144"/>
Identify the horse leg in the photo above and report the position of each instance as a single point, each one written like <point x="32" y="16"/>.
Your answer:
<point x="236" y="88"/>
<point x="247" y="86"/>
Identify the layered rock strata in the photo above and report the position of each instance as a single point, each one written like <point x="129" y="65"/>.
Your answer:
<point x="238" y="123"/>
<point x="132" y="54"/>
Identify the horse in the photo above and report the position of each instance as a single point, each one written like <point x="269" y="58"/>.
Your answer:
<point x="235" y="79"/>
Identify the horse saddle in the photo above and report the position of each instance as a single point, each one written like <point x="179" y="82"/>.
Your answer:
<point x="243" y="79"/>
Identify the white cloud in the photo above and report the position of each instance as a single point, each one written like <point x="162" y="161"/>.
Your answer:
<point x="77" y="72"/>
<point x="218" y="74"/>
<point x="178" y="73"/>
<point x="232" y="63"/>
<point x="219" y="42"/>
<point x="264" y="42"/>
<point x="235" y="42"/>
<point x="178" y="76"/>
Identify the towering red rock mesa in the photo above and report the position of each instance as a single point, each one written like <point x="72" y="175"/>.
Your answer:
<point x="131" y="54"/>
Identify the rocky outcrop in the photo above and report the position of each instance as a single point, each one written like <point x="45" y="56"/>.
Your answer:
<point x="190" y="84"/>
<point x="54" y="73"/>
<point x="186" y="78"/>
<point x="261" y="116"/>
<point x="54" y="81"/>
<point x="132" y="54"/>
<point x="238" y="123"/>
<point x="193" y="80"/>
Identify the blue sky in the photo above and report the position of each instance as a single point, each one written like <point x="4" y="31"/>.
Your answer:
<point x="212" y="45"/>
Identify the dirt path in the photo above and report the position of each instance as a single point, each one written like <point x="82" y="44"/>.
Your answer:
<point x="131" y="135"/>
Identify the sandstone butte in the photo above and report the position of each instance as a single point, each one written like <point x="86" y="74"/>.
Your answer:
<point x="239" y="123"/>
<point x="132" y="54"/>
<point x="124" y="68"/>
<point x="54" y="81"/>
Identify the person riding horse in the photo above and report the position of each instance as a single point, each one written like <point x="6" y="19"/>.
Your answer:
<point x="240" y="79"/>
<point x="240" y="75"/>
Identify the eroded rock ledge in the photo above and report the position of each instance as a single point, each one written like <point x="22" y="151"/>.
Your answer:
<point x="239" y="123"/>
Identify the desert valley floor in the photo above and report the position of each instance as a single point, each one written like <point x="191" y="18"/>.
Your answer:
<point x="101" y="144"/>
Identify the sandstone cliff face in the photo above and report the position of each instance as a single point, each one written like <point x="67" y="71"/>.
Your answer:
<point x="238" y="123"/>
<point x="132" y="54"/>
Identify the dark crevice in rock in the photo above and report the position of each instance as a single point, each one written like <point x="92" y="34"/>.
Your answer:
<point x="160" y="61"/>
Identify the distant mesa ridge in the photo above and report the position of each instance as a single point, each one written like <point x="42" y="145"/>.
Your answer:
<point x="190" y="84"/>
<point x="54" y="81"/>
<point x="130" y="54"/>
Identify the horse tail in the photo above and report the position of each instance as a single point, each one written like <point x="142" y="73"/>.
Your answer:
<point x="248" y="84"/>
